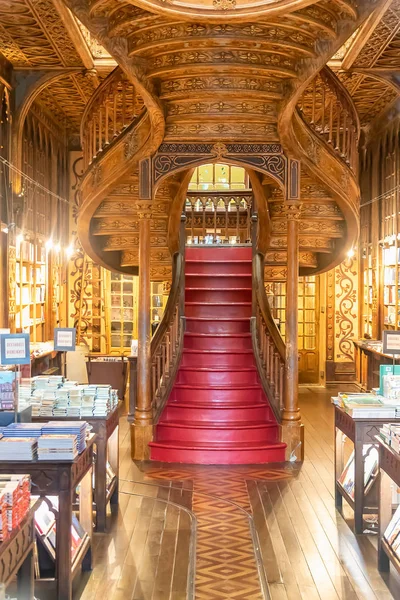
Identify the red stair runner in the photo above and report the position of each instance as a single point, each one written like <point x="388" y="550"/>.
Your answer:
<point x="217" y="412"/>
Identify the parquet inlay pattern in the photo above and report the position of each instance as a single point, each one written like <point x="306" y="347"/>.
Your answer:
<point x="225" y="561"/>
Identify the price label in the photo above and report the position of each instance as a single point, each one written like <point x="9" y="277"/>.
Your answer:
<point x="65" y="339"/>
<point x="15" y="349"/>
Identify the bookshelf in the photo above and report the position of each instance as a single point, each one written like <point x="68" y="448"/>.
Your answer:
<point x="390" y="277"/>
<point x="124" y="309"/>
<point x="368" y="281"/>
<point x="389" y="523"/>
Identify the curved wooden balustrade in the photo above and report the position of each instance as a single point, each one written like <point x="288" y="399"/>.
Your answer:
<point x="268" y="344"/>
<point x="328" y="110"/>
<point x="114" y="106"/>
<point x="167" y="342"/>
<point x="224" y="214"/>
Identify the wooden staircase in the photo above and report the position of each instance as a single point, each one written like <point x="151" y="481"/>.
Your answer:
<point x="217" y="412"/>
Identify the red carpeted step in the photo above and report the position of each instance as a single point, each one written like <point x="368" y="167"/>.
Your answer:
<point x="221" y="295"/>
<point x="218" y="281"/>
<point x="218" y="341"/>
<point x="222" y="358"/>
<point x="217" y="267"/>
<point x="217" y="376"/>
<point x="218" y="309"/>
<point x="218" y="454"/>
<point x="217" y="412"/>
<point x="218" y="254"/>
<point x="188" y="431"/>
<point x="217" y="393"/>
<point x="225" y="413"/>
<point x="217" y="325"/>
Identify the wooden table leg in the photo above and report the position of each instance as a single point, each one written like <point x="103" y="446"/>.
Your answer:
<point x="339" y="465"/>
<point x="113" y="457"/>
<point x="358" y="487"/>
<point x="26" y="578"/>
<point x="63" y="541"/>
<point x="86" y="515"/>
<point x="101" y="480"/>
<point x="385" y="515"/>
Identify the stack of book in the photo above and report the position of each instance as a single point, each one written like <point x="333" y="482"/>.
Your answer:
<point x="368" y="406"/>
<point x="58" y="397"/>
<point x="390" y="433"/>
<point x="57" y="447"/>
<point x="71" y="428"/>
<point x="15" y="498"/>
<point x="18" y="449"/>
<point x="392" y="532"/>
<point x="18" y="430"/>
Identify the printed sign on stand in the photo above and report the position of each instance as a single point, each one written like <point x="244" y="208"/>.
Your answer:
<point x="15" y="349"/>
<point x="391" y="342"/>
<point x="65" y="339"/>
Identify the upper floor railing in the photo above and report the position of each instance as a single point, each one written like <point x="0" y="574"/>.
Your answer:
<point x="113" y="107"/>
<point x="328" y="110"/>
<point x="218" y="217"/>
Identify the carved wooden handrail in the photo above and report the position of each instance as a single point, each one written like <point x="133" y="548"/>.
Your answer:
<point x="268" y="344"/>
<point x="114" y="105"/>
<point x="167" y="342"/>
<point x="328" y="109"/>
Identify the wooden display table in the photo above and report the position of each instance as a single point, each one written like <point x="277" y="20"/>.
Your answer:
<point x="368" y="361"/>
<point x="51" y="478"/>
<point x="17" y="556"/>
<point x="389" y="470"/>
<point x="360" y="432"/>
<point x="107" y="448"/>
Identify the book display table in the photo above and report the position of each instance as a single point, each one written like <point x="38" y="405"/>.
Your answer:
<point x="107" y="449"/>
<point x="60" y="478"/>
<point x="389" y="470"/>
<point x="360" y="432"/>
<point x="17" y="556"/>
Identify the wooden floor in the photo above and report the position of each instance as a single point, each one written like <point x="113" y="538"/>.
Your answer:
<point x="189" y="531"/>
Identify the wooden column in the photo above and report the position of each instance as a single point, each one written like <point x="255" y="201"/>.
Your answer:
<point x="142" y="428"/>
<point x="292" y="430"/>
<point x="291" y="411"/>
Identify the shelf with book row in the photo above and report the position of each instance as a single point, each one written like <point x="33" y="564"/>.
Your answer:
<point x="369" y="282"/>
<point x="38" y="289"/>
<point x="55" y="481"/>
<point x="17" y="535"/>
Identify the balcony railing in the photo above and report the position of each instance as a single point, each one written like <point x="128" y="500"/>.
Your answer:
<point x="218" y="217"/>
<point x="328" y="109"/>
<point x="113" y="107"/>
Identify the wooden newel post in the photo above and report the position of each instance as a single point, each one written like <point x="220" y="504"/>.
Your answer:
<point x="291" y="411"/>
<point x="142" y="428"/>
<point x="292" y="431"/>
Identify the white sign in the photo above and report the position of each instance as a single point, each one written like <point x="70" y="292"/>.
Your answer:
<point x="65" y="338"/>
<point x="391" y="342"/>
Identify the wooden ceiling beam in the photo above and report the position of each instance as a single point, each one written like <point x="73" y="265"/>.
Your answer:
<point x="75" y="34"/>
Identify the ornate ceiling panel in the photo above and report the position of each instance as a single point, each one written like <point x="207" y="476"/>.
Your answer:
<point x="33" y="35"/>
<point x="371" y="96"/>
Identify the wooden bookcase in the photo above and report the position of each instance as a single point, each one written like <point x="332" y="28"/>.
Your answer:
<point x="39" y="290"/>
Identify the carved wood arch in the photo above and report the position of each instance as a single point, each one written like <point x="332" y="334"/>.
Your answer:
<point x="33" y="90"/>
<point x="265" y="158"/>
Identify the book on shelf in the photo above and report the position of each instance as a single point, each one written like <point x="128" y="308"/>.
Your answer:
<point x="347" y="477"/>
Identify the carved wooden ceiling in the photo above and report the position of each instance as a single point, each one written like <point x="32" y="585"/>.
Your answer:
<point x="43" y="35"/>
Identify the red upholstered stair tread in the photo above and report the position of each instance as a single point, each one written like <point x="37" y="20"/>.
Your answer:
<point x="217" y="412"/>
